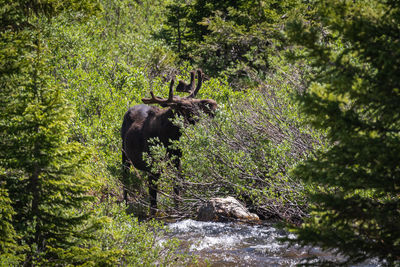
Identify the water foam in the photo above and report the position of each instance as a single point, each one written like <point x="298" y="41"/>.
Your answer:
<point x="231" y="244"/>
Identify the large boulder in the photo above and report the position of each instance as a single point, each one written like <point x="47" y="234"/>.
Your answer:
<point x="223" y="210"/>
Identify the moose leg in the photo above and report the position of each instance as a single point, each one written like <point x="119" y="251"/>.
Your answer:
<point x="176" y="182"/>
<point x="153" y="193"/>
<point x="125" y="175"/>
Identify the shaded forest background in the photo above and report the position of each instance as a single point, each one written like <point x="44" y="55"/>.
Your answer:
<point x="307" y="131"/>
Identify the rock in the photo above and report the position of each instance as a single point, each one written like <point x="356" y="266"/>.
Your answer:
<point x="223" y="210"/>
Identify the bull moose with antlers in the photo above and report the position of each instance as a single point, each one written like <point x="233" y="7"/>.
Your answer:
<point x="143" y="122"/>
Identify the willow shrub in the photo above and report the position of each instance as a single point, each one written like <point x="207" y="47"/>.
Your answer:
<point x="106" y="64"/>
<point x="121" y="240"/>
<point x="247" y="151"/>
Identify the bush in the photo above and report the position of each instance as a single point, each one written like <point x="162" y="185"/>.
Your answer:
<point x="124" y="241"/>
<point x="227" y="37"/>
<point x="247" y="150"/>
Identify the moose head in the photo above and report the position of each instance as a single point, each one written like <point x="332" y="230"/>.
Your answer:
<point x="143" y="122"/>
<point x="187" y="107"/>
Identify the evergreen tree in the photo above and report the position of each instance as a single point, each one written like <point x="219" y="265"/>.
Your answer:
<point x="228" y="37"/>
<point x="175" y="32"/>
<point x="354" y="94"/>
<point x="7" y="232"/>
<point x="42" y="170"/>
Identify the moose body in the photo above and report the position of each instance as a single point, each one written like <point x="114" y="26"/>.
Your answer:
<point x="143" y="122"/>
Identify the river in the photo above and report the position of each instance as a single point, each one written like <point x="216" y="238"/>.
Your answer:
<point x="233" y="244"/>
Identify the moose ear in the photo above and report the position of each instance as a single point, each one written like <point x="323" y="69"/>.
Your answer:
<point x="209" y="105"/>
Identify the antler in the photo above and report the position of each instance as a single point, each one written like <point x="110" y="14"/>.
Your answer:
<point x="200" y="77"/>
<point x="184" y="87"/>
<point x="175" y="100"/>
<point x="159" y="100"/>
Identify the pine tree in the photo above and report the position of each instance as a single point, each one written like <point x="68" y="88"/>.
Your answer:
<point x="354" y="50"/>
<point x="42" y="169"/>
<point x="175" y="31"/>
<point x="229" y="37"/>
<point x="7" y="232"/>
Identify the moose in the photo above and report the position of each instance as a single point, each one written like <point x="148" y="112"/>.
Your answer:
<point x="142" y="122"/>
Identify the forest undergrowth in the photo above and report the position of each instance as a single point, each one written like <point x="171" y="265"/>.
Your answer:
<point x="304" y="102"/>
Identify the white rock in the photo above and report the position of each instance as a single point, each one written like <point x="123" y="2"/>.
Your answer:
<point x="225" y="209"/>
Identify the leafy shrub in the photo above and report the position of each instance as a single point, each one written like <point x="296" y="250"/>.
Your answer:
<point x="106" y="64"/>
<point x="123" y="240"/>
<point x="247" y="150"/>
<point x="228" y="37"/>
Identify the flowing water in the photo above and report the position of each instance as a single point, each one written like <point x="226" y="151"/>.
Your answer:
<point x="233" y="244"/>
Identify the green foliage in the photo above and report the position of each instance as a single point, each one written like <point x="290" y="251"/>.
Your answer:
<point x="241" y="38"/>
<point x="41" y="170"/>
<point x="354" y="50"/>
<point x="122" y="240"/>
<point x="67" y="78"/>
<point x="7" y="232"/>
<point x="113" y="65"/>
<point x="105" y="65"/>
<point x="175" y="31"/>
<point x="229" y="37"/>
<point x="57" y="64"/>
<point x="245" y="151"/>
